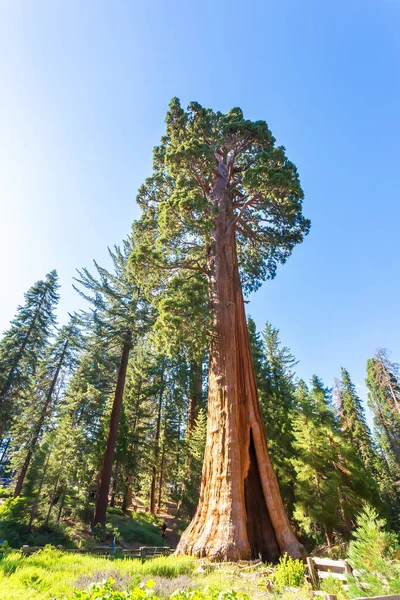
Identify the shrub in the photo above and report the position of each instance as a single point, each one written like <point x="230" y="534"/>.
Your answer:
<point x="102" y="532"/>
<point x="112" y="510"/>
<point x="289" y="572"/>
<point x="371" y="555"/>
<point x="330" y="585"/>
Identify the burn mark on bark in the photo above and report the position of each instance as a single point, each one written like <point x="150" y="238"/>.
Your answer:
<point x="260" y="531"/>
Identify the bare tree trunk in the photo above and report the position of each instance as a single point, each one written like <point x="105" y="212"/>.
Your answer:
<point x="61" y="506"/>
<point x="100" y="512"/>
<point x="53" y="495"/>
<point x="328" y="536"/>
<point x="161" y="481"/>
<point x="156" y="447"/>
<point x="127" y="499"/>
<point x="240" y="513"/>
<point x="114" y="485"/>
<point x="37" y="497"/>
<point x="6" y="445"/>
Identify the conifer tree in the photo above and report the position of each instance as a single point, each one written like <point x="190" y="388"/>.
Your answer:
<point x="119" y="313"/>
<point x="353" y="421"/>
<point x="383" y="384"/>
<point x="274" y="365"/>
<point x="221" y="211"/>
<point x="40" y="401"/>
<point x="331" y="480"/>
<point x="77" y="442"/>
<point x="23" y="345"/>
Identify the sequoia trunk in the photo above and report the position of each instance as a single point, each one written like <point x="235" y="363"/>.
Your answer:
<point x="240" y="513"/>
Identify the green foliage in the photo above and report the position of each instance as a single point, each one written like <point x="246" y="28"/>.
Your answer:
<point x="174" y="235"/>
<point x="330" y="585"/>
<point x="50" y="573"/>
<point x="289" y="572"/>
<point x="103" y="532"/>
<point x="14" y="527"/>
<point x="105" y="591"/>
<point x="141" y="527"/>
<point x="212" y="593"/>
<point x="374" y="556"/>
<point x="274" y="365"/>
<point x="23" y="346"/>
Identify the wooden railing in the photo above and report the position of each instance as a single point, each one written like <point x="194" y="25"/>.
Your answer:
<point x="321" y="568"/>
<point x="144" y="552"/>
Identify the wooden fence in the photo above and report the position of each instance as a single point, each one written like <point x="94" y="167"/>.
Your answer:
<point x="144" y="552"/>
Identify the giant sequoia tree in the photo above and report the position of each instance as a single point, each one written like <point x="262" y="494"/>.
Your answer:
<point x="221" y="211"/>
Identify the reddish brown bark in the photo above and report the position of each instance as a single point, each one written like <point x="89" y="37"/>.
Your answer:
<point x="156" y="447"/>
<point x="240" y="513"/>
<point x="161" y="478"/>
<point x="100" y="512"/>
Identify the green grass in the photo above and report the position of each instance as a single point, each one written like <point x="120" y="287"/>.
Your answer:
<point x="142" y="528"/>
<point x="52" y="574"/>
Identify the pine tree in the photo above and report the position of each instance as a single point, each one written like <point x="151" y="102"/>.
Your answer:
<point x="120" y="314"/>
<point x="75" y="447"/>
<point x="41" y="400"/>
<point x="23" y="345"/>
<point x="353" y="421"/>
<point x="382" y="382"/>
<point x="331" y="480"/>
<point x="222" y="210"/>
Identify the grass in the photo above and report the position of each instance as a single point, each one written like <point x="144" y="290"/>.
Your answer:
<point x="142" y="528"/>
<point x="52" y="574"/>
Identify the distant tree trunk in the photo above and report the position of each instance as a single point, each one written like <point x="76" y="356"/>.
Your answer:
<point x="53" y="495"/>
<point x="328" y="536"/>
<point x="38" y="430"/>
<point x="61" y="505"/>
<point x="127" y="499"/>
<point x="87" y="503"/>
<point x="195" y="393"/>
<point x="100" y="512"/>
<point x="156" y="447"/>
<point x="240" y="513"/>
<point x="161" y="480"/>
<point x="114" y="485"/>
<point x="37" y="497"/>
<point x="6" y="445"/>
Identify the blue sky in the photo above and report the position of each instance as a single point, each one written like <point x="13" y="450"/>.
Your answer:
<point x="84" y="90"/>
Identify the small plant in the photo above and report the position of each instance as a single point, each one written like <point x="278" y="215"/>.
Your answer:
<point x="102" y="532"/>
<point x="105" y="591"/>
<point x="330" y="585"/>
<point x="289" y="572"/>
<point x="208" y="594"/>
<point x="372" y="555"/>
<point x="4" y="549"/>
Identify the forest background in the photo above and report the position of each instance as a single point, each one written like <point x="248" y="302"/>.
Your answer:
<point x="85" y="94"/>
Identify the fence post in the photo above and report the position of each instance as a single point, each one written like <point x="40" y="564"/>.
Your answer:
<point x="313" y="573"/>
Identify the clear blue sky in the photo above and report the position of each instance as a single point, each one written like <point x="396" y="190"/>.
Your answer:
<point x="84" y="90"/>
